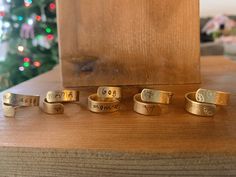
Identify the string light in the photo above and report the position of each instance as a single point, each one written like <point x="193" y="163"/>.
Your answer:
<point x="38" y="18"/>
<point x="30" y="21"/>
<point x="52" y="6"/>
<point x="48" y="30"/>
<point x="2" y="11"/>
<point x="27" y="3"/>
<point x="37" y="64"/>
<point x="20" y="18"/>
<point x="50" y="37"/>
<point x="26" y="64"/>
<point x="26" y="59"/>
<point x="21" y="48"/>
<point x="6" y="24"/>
<point x="2" y="14"/>
<point x="16" y="25"/>
<point x="21" y="68"/>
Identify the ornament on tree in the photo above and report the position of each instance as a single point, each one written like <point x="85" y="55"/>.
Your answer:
<point x="41" y="41"/>
<point x="27" y="29"/>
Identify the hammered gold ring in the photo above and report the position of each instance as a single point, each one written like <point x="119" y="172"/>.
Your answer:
<point x="52" y="108"/>
<point x="148" y="109"/>
<point x="214" y="97"/>
<point x="12" y="101"/>
<point x="102" y="105"/>
<point x="21" y="100"/>
<point x="9" y="110"/>
<point x="156" y="96"/>
<point x="52" y="104"/>
<point x="200" y="109"/>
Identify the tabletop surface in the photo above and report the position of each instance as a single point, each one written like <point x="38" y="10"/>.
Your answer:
<point x="175" y="131"/>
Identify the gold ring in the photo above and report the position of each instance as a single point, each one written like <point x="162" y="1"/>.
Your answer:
<point x="102" y="105"/>
<point x="196" y="108"/>
<point x="156" y="96"/>
<point x="109" y="92"/>
<point x="213" y="97"/>
<point x="62" y="96"/>
<point x="52" y="108"/>
<point x="20" y="100"/>
<point x="9" y="110"/>
<point x="148" y="109"/>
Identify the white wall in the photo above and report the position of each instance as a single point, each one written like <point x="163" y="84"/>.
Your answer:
<point x="216" y="7"/>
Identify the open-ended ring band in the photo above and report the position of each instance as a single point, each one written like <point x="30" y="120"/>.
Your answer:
<point x="156" y="96"/>
<point x="20" y="100"/>
<point x="148" y="109"/>
<point x="213" y="97"/>
<point x="101" y="105"/>
<point x="52" y="108"/>
<point x="9" y="110"/>
<point x="109" y="92"/>
<point x="62" y="96"/>
<point x="196" y="108"/>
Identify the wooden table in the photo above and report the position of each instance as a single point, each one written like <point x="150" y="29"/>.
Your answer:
<point x="81" y="143"/>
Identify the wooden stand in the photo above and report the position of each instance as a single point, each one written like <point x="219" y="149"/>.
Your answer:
<point x="81" y="143"/>
<point x="127" y="42"/>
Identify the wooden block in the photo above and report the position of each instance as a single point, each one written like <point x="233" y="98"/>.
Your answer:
<point x="129" y="42"/>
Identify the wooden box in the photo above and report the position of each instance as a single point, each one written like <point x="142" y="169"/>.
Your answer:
<point x="129" y="42"/>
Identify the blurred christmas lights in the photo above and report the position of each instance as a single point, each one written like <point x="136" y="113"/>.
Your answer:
<point x="21" y="68"/>
<point x="26" y="59"/>
<point x="20" y="18"/>
<point x="27" y="3"/>
<point x="21" y="48"/>
<point x="26" y="64"/>
<point x="30" y="21"/>
<point x="52" y="6"/>
<point x="37" y="64"/>
<point x="50" y="37"/>
<point x="48" y="30"/>
<point x="38" y="18"/>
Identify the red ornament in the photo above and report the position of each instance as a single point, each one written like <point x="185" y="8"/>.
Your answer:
<point x="52" y="6"/>
<point x="50" y="37"/>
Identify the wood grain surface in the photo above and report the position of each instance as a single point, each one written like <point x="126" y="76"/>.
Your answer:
<point x="134" y="42"/>
<point x="81" y="143"/>
<point x="28" y="162"/>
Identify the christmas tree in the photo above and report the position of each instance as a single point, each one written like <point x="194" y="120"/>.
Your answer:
<point x="30" y="30"/>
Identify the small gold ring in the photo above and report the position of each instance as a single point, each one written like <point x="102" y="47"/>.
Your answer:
<point x="148" y="109"/>
<point x="52" y="108"/>
<point x="9" y="110"/>
<point x="102" y="105"/>
<point x="156" y="96"/>
<point x="213" y="97"/>
<point x="196" y="108"/>
<point x="62" y="96"/>
<point x="20" y="100"/>
<point x="109" y="92"/>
